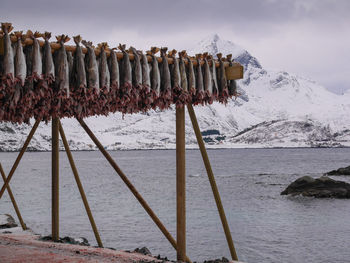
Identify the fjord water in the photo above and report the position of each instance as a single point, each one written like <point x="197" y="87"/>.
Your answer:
<point x="265" y="226"/>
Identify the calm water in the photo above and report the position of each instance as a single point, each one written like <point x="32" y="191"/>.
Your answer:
<point x="266" y="227"/>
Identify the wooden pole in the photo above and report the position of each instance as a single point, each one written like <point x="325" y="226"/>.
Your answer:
<point x="55" y="180"/>
<point x="130" y="186"/>
<point x="20" y="219"/>
<point x="180" y="184"/>
<point x="212" y="182"/>
<point x="80" y="186"/>
<point x="19" y="157"/>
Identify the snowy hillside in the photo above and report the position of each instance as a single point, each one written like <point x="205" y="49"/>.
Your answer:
<point x="275" y="109"/>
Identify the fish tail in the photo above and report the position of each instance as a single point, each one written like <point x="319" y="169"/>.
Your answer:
<point x="6" y="27"/>
<point x="30" y="34"/>
<point x="47" y="35"/>
<point x="122" y="47"/>
<point x="199" y="56"/>
<point x="133" y="50"/>
<point x="154" y="50"/>
<point x="163" y="51"/>
<point x="172" y="53"/>
<point x="62" y="38"/>
<point x="19" y="34"/>
<point x="77" y="39"/>
<point x="37" y="34"/>
<point x="183" y="54"/>
<point x="86" y="43"/>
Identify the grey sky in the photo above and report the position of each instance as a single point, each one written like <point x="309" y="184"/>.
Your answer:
<point x="307" y="37"/>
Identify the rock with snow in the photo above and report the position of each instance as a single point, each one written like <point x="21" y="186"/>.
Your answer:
<point x="143" y="251"/>
<point x="7" y="221"/>
<point x="275" y="109"/>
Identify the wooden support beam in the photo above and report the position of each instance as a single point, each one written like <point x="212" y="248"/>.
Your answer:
<point x="80" y="186"/>
<point x="180" y="184"/>
<point x="18" y="213"/>
<point x="212" y="182"/>
<point x="131" y="187"/>
<point x="19" y="157"/>
<point x="55" y="180"/>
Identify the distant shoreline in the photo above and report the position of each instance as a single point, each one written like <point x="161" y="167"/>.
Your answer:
<point x="190" y="149"/>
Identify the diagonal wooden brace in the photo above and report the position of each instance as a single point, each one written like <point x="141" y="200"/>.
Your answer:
<point x="130" y="186"/>
<point x="14" y="203"/>
<point x="19" y="157"/>
<point x="80" y="186"/>
<point x="212" y="181"/>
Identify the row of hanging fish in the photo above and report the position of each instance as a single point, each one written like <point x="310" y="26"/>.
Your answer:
<point x="36" y="82"/>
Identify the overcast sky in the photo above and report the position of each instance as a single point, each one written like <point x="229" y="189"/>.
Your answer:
<point x="307" y="37"/>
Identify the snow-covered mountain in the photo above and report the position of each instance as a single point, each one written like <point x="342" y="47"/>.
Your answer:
<point x="275" y="109"/>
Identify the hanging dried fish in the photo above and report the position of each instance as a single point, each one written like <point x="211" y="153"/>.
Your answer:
<point x="213" y="75"/>
<point x="114" y="74"/>
<point x="137" y="69"/>
<point x="20" y="74"/>
<point x="199" y="81"/>
<point x="232" y="86"/>
<point x="62" y="103"/>
<point x="78" y="80"/>
<point x="222" y="82"/>
<point x="179" y="95"/>
<point x="126" y="90"/>
<point x="113" y="68"/>
<point x="147" y="96"/>
<point x="104" y="79"/>
<point x="1" y="55"/>
<point x="208" y="81"/>
<point x="183" y="75"/>
<point x="70" y="60"/>
<point x="93" y="81"/>
<point x="48" y="65"/>
<point x="42" y="90"/>
<point x="79" y="73"/>
<point x="191" y="80"/>
<point x="155" y="76"/>
<point x="103" y="67"/>
<point x="20" y="61"/>
<point x="137" y="78"/>
<point x="145" y="71"/>
<point x="8" y="65"/>
<point x="29" y="96"/>
<point x="36" y="60"/>
<point x="165" y="98"/>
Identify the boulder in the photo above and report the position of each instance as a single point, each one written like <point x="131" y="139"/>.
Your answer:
<point x="82" y="241"/>
<point x="340" y="171"/>
<point x="7" y="221"/>
<point x="143" y="250"/>
<point x="323" y="187"/>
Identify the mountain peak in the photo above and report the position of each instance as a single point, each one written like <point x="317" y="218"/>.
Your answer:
<point x="215" y="37"/>
<point x="213" y="44"/>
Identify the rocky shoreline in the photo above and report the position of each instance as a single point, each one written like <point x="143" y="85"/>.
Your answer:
<point x="17" y="245"/>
